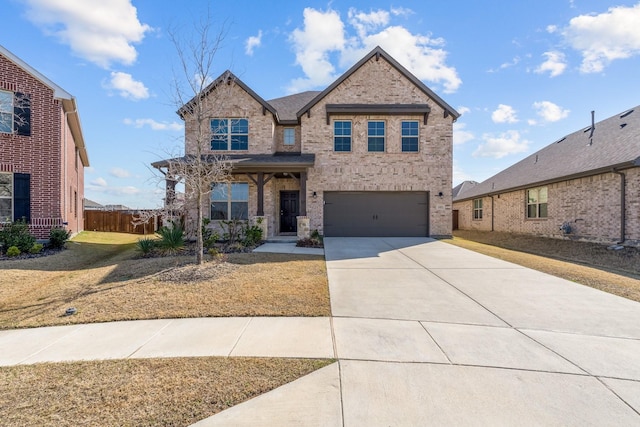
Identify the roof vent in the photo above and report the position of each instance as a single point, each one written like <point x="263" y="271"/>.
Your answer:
<point x="593" y="126"/>
<point x="625" y="114"/>
<point x="561" y="139"/>
<point x="622" y="125"/>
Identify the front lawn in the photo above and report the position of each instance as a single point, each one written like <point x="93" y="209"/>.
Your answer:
<point x="102" y="277"/>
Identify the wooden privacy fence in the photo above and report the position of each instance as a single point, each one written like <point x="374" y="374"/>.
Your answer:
<point x="117" y="221"/>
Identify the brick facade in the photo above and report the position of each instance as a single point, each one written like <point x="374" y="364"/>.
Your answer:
<point x="590" y="205"/>
<point x="376" y="81"/>
<point x="55" y="189"/>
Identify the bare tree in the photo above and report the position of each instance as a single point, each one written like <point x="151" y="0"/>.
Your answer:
<point x="199" y="168"/>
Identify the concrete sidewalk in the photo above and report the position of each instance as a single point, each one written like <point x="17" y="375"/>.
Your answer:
<point x="425" y="333"/>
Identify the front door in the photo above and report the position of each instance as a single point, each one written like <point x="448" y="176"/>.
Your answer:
<point x="289" y="211"/>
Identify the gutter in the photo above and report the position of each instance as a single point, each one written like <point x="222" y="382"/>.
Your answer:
<point x="623" y="201"/>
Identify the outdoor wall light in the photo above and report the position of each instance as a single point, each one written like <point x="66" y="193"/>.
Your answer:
<point x="440" y="194"/>
<point x="314" y="195"/>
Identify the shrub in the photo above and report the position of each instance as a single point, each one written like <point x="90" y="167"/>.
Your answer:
<point x="36" y="248"/>
<point x="209" y="236"/>
<point x="58" y="237"/>
<point x="13" y="251"/>
<point x="17" y="234"/>
<point x="252" y="235"/>
<point x="171" y="239"/>
<point x="146" y="245"/>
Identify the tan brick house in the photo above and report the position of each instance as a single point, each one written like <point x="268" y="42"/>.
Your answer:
<point x="371" y="155"/>
<point x="584" y="186"/>
<point x="42" y="151"/>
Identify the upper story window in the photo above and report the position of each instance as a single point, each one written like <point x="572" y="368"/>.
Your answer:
<point x="537" y="202"/>
<point x="230" y="201"/>
<point x="477" y="209"/>
<point x="230" y="134"/>
<point x="409" y="136"/>
<point x="6" y="197"/>
<point x="6" y="111"/>
<point x="342" y="135"/>
<point x="375" y="136"/>
<point x="289" y="136"/>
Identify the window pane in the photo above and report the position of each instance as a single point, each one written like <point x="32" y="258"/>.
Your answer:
<point x="532" y="196"/>
<point x="6" y="122"/>
<point x="376" y="144"/>
<point x="342" y="143"/>
<point x="219" y="126"/>
<point x="375" y="132"/>
<point x="239" y="210"/>
<point x="532" y="211"/>
<point x="410" y="144"/>
<point x="542" y="210"/>
<point x="5" y="210"/>
<point x="239" y="126"/>
<point x="289" y="136"/>
<point x="218" y="210"/>
<point x="240" y="142"/>
<point x="6" y="102"/>
<point x="6" y="185"/>
<point x="542" y="193"/>
<point x="239" y="191"/>
<point x="219" y="192"/>
<point x="342" y="136"/>
<point x="409" y="128"/>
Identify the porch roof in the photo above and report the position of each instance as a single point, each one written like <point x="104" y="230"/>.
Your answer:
<point x="277" y="162"/>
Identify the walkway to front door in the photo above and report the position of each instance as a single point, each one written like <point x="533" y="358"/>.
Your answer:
<point x="289" y="211"/>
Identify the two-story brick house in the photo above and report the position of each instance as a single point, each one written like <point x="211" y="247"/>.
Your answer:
<point x="584" y="186"/>
<point x="371" y="155"/>
<point x="42" y="151"/>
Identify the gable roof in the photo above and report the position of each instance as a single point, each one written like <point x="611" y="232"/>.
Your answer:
<point x="224" y="78"/>
<point x="462" y="187"/>
<point x="613" y="143"/>
<point x="377" y="53"/>
<point x="69" y="104"/>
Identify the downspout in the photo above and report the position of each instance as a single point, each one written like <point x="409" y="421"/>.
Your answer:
<point x="623" y="201"/>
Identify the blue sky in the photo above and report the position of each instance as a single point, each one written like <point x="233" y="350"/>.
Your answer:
<point x="523" y="74"/>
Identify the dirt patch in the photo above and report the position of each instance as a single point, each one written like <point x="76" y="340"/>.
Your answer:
<point x="158" y="392"/>
<point x="616" y="272"/>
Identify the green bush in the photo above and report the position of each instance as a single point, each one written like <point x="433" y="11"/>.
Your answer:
<point x="252" y="235"/>
<point x="146" y="245"/>
<point x="36" y="248"/>
<point x="209" y="236"/>
<point x="13" y="251"/>
<point x="58" y="237"/>
<point x="171" y="239"/>
<point x="17" y="234"/>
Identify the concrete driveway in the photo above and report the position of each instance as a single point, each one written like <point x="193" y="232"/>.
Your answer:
<point x="431" y="334"/>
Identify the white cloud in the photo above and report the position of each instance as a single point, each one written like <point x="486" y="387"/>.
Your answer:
<point x="154" y="125"/>
<point x="501" y="145"/>
<point x="127" y="87"/>
<point x="550" y="112"/>
<point x="555" y="64"/>
<point x="460" y="135"/>
<point x="515" y="61"/>
<point x="551" y="29"/>
<point x="99" y="182"/>
<point x="119" y="172"/>
<point x="504" y="114"/>
<point x="401" y="11"/>
<point x="602" y="38"/>
<point x="252" y="43"/>
<point x="101" y="31"/>
<point x="459" y="175"/>
<point x="463" y="110"/>
<point x="324" y="33"/>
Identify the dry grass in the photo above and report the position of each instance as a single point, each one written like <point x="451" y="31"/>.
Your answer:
<point x="616" y="272"/>
<point x="158" y="392"/>
<point x="100" y="275"/>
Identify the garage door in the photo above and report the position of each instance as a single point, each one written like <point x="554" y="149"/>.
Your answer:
<point x="376" y="214"/>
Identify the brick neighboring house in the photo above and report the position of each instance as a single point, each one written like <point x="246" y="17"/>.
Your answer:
<point x="371" y="155"/>
<point x="42" y="151"/>
<point x="585" y="186"/>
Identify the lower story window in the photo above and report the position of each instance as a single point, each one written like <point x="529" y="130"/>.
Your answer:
<point x="6" y="197"/>
<point x="230" y="201"/>
<point x="537" y="202"/>
<point x="477" y="209"/>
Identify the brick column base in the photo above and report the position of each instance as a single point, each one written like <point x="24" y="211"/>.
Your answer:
<point x="304" y="229"/>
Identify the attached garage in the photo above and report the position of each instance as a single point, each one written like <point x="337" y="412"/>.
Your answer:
<point x="376" y="214"/>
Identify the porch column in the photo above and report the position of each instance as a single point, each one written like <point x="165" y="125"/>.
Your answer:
<point x="260" y="185"/>
<point x="303" y="193"/>
<point x="170" y="192"/>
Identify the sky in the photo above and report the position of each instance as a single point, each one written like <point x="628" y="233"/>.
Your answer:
<point x="522" y="74"/>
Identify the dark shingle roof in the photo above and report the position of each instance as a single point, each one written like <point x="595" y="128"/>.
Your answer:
<point x="259" y="162"/>
<point x="615" y="144"/>
<point x="288" y="106"/>
<point x="461" y="188"/>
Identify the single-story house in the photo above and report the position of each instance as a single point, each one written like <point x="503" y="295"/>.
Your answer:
<point x="584" y="186"/>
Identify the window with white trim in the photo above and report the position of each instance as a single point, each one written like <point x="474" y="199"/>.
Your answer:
<point x="409" y="136"/>
<point x="477" y="209"/>
<point x="375" y="136"/>
<point x="341" y="135"/>
<point x="537" y="203"/>
<point x="230" y="201"/>
<point x="6" y="111"/>
<point x="229" y="134"/>
<point x="6" y="197"/>
<point x="289" y="136"/>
